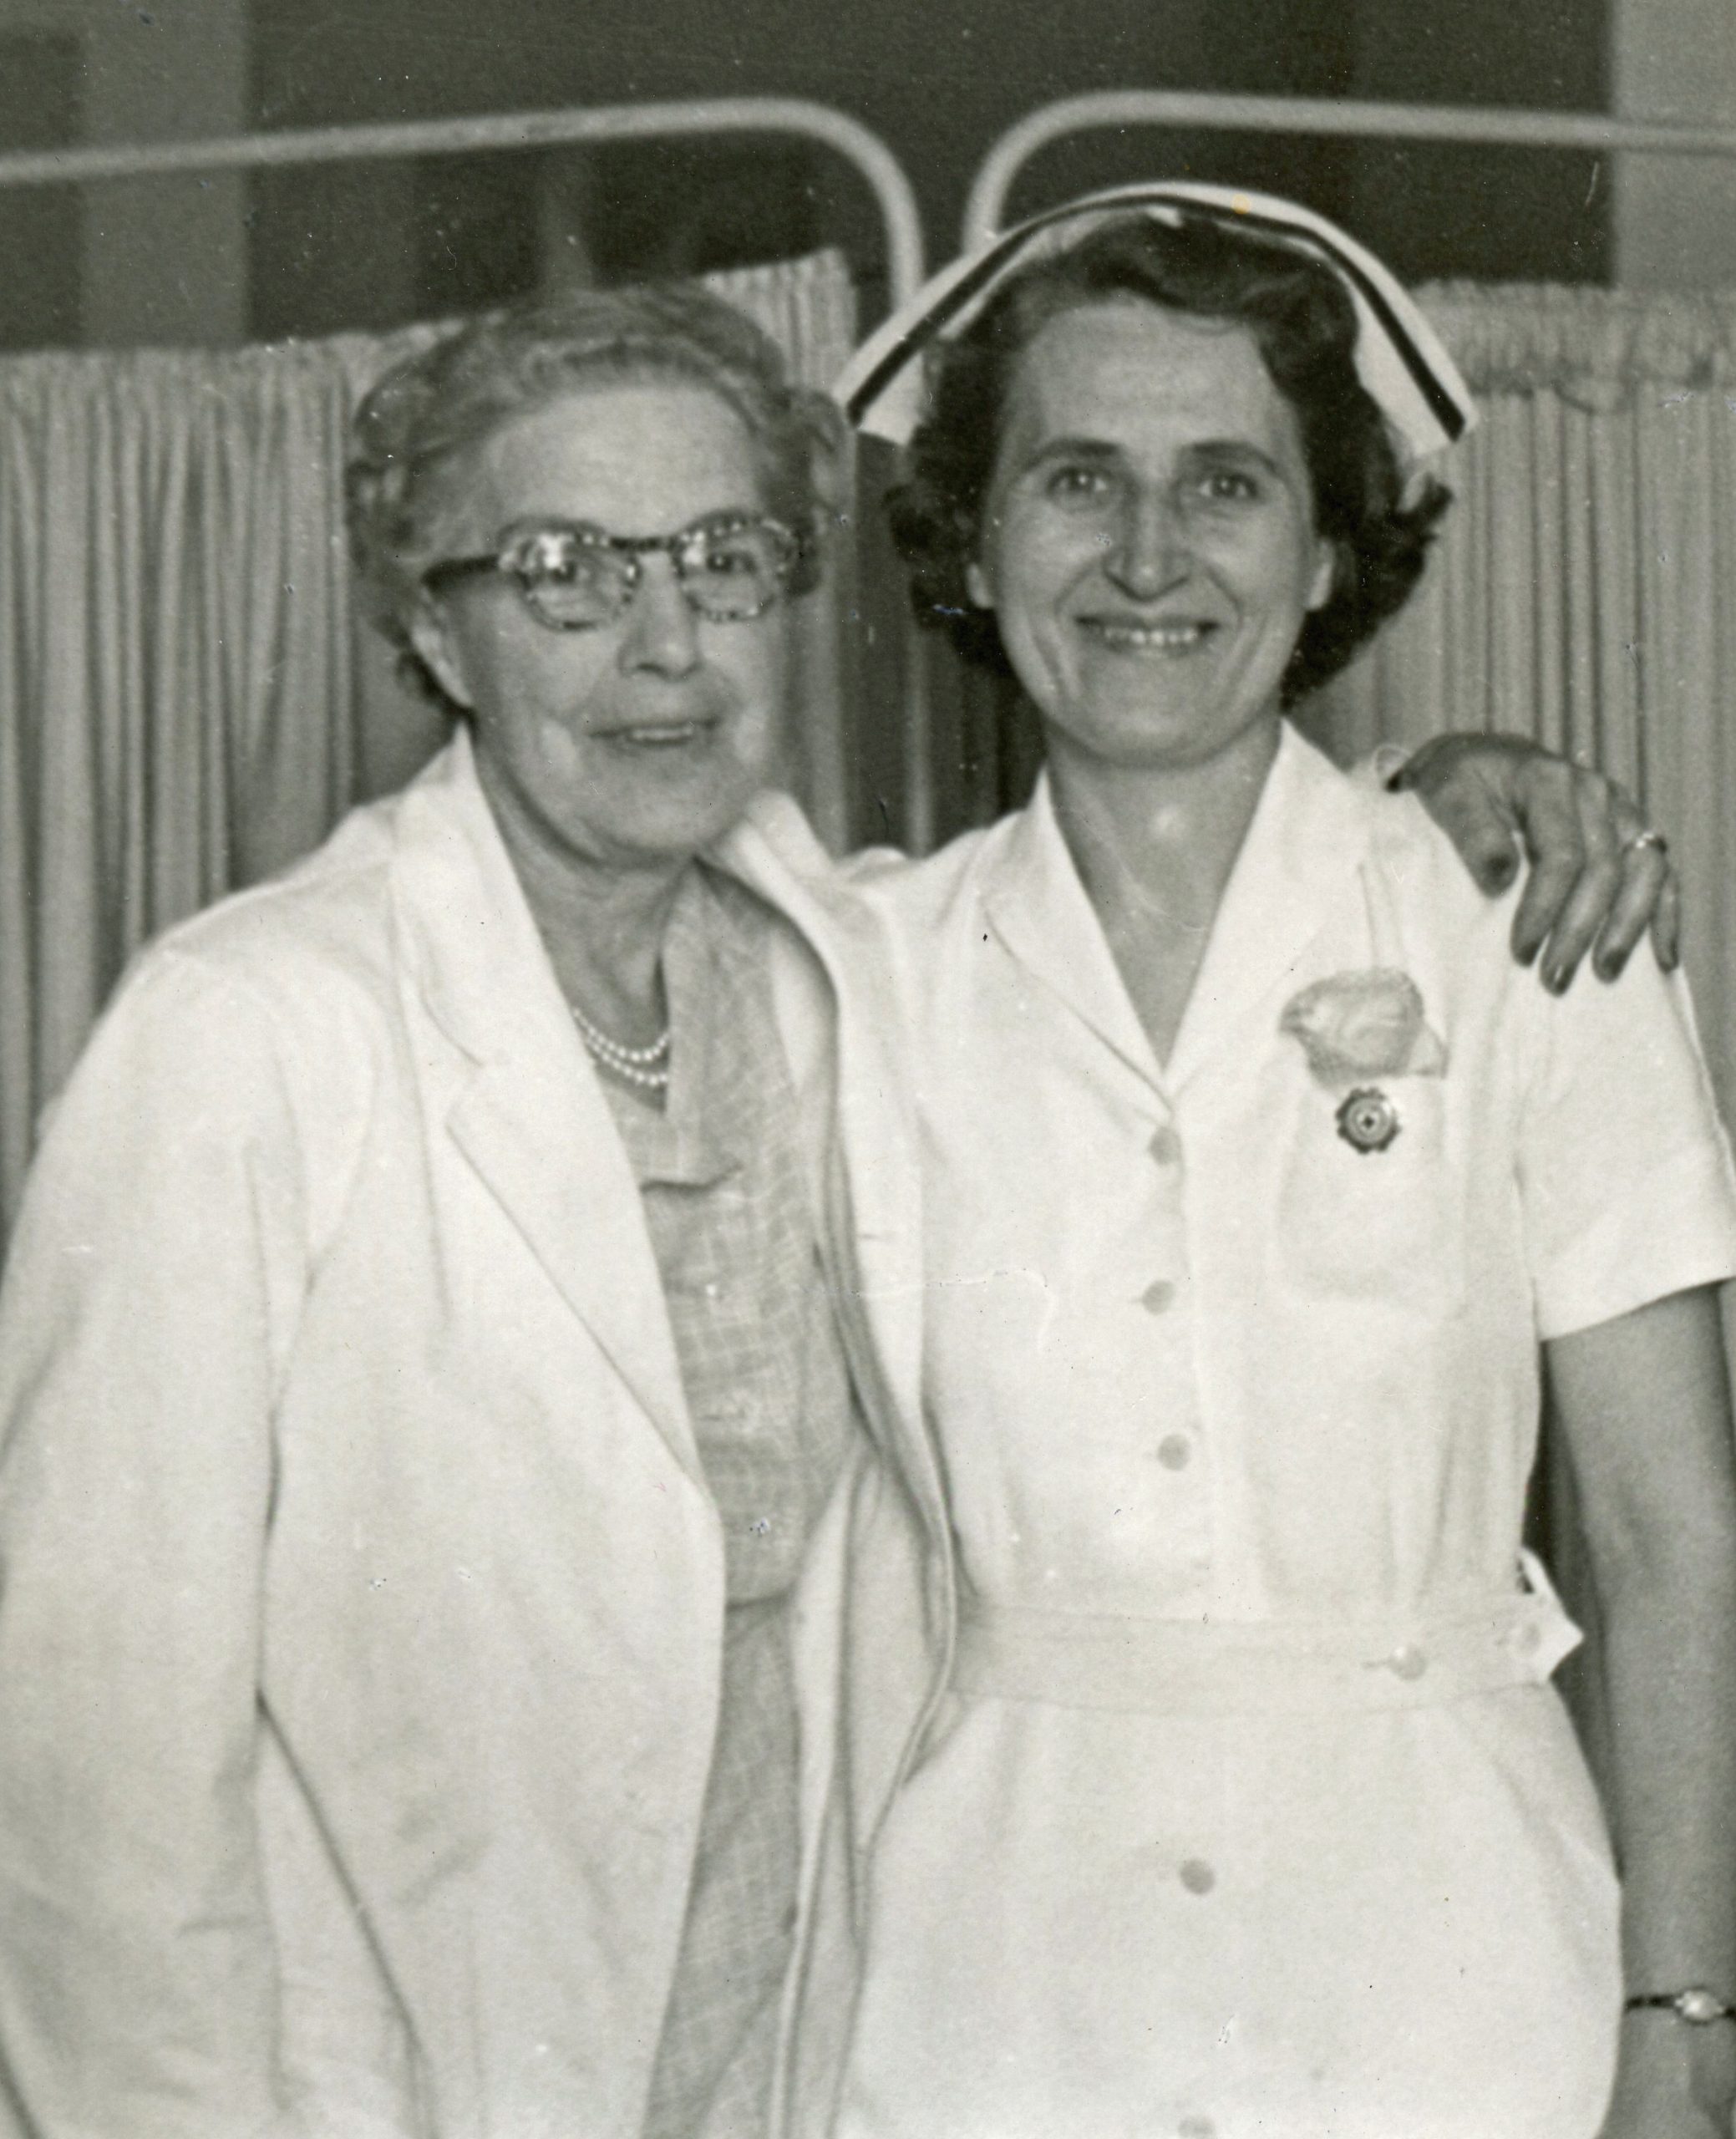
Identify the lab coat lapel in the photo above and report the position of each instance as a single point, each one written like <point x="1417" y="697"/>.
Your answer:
<point x="523" y="1102"/>
<point x="1302" y="850"/>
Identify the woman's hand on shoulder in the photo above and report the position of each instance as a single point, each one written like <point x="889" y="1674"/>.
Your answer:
<point x="1597" y="881"/>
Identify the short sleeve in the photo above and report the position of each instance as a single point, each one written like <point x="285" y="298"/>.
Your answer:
<point x="1625" y="1176"/>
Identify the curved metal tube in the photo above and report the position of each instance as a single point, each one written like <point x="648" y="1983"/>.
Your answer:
<point x="845" y="136"/>
<point x="1497" y="126"/>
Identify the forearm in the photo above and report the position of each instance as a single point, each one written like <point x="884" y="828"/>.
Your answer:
<point x="1644" y="1401"/>
<point x="1670" y="1669"/>
<point x="1669" y="1665"/>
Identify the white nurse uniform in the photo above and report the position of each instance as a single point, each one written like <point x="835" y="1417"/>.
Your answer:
<point x="1251" y="1811"/>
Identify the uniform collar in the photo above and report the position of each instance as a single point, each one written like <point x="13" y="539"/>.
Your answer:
<point x="1308" y="839"/>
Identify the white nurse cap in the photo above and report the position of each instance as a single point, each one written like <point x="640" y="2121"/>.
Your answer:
<point x="1400" y="358"/>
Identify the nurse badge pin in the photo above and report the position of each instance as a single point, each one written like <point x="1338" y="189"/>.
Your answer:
<point x="1367" y="1121"/>
<point x="1368" y="1022"/>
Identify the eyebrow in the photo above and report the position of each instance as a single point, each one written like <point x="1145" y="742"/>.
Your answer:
<point x="1100" y="451"/>
<point x="1240" y="450"/>
<point x="1071" y="449"/>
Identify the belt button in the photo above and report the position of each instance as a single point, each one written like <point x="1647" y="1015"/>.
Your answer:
<point x="1198" y="1876"/>
<point x="1158" y="1297"/>
<point x="1408" y="1662"/>
<point x="1175" y="1452"/>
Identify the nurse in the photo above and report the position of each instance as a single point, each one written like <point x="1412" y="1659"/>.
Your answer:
<point x="1262" y="1196"/>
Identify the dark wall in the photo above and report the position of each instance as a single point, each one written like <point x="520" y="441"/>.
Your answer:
<point x="1499" y="215"/>
<point x="370" y="244"/>
<point x="938" y="79"/>
<point x="40" y="89"/>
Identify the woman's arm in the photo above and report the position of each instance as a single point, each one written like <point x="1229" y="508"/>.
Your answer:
<point x="1496" y="795"/>
<point x="1643" y="1400"/>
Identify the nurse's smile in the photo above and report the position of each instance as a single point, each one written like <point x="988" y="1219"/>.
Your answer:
<point x="1150" y="548"/>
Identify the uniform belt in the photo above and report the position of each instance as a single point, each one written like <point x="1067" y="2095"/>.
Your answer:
<point x="1077" y="1659"/>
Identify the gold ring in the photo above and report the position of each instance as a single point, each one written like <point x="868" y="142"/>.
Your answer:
<point x="1649" y="838"/>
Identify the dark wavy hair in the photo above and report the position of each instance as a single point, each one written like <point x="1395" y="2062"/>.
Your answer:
<point x="416" y="428"/>
<point x="1301" y="319"/>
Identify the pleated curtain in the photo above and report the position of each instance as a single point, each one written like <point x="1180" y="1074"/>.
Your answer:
<point x="1584" y="593"/>
<point x="1584" y="589"/>
<point x="187" y="699"/>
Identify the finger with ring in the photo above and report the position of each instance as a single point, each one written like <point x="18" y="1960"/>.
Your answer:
<point x="1649" y="838"/>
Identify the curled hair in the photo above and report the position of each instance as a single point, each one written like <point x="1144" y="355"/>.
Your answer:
<point x="1302" y="321"/>
<point x="414" y="428"/>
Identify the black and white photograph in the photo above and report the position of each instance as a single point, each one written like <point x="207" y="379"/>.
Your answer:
<point x="867" y="1014"/>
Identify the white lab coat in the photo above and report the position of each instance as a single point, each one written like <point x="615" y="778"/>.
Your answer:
<point x="360" y="1592"/>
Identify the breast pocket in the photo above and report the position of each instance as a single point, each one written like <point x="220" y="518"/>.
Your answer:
<point x="1366" y="1212"/>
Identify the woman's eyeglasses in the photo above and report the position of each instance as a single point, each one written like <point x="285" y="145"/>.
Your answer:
<point x="573" y="576"/>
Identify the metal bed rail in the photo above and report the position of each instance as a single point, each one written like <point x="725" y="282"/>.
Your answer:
<point x="1343" y="118"/>
<point x="846" y="137"/>
<point x="837" y="130"/>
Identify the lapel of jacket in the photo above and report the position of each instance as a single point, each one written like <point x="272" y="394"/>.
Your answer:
<point x="524" y="1105"/>
<point x="871" y="1181"/>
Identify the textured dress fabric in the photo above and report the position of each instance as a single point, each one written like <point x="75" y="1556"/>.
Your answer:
<point x="1250" y="1811"/>
<point x="729" y="1210"/>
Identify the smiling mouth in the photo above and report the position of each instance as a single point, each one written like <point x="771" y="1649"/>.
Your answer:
<point x="662" y="735"/>
<point x="1122" y="635"/>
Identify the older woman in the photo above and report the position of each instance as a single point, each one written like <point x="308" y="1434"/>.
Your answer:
<point x="423" y="1356"/>
<point x="419" y="1383"/>
<point x="1236" y="1798"/>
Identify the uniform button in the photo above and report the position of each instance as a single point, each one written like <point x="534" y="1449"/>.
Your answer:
<point x="1198" y="1876"/>
<point x="1175" y="1452"/>
<point x="1196" y="2127"/>
<point x="1166" y="1146"/>
<point x="1409" y="1662"/>
<point x="1158" y="1297"/>
<point x="1528" y="1638"/>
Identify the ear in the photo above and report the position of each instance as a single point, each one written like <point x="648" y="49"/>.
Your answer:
<point x="1330" y="558"/>
<point x="432" y="638"/>
<point x="976" y="586"/>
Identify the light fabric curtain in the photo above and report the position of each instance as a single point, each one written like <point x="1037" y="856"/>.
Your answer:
<point x="1584" y="593"/>
<point x="186" y="699"/>
<point x="1584" y="589"/>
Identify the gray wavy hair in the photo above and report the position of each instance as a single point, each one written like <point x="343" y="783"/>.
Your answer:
<point x="417" y="424"/>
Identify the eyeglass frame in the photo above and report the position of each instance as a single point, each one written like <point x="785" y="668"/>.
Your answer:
<point x="507" y="559"/>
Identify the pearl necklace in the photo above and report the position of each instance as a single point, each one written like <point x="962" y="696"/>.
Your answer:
<point x="647" y="1067"/>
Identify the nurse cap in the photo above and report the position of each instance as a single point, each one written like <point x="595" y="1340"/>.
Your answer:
<point x="1400" y="358"/>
